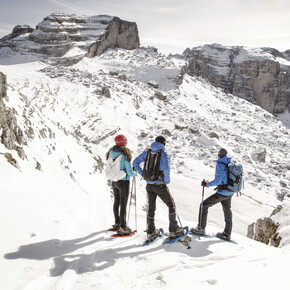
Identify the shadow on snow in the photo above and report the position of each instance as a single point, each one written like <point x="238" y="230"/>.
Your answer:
<point x="100" y="259"/>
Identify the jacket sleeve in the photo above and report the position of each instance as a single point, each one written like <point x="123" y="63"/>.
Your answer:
<point x="129" y="169"/>
<point x="219" y="174"/>
<point x="138" y="160"/>
<point x="166" y="167"/>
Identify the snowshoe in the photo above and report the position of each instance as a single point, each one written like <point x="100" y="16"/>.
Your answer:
<point x="224" y="236"/>
<point x="197" y="231"/>
<point x="114" y="228"/>
<point x="117" y="235"/>
<point x="174" y="237"/>
<point x="154" y="237"/>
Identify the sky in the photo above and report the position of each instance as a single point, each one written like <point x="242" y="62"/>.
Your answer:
<point x="172" y="25"/>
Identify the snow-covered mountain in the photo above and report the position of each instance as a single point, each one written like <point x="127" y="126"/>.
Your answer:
<point x="56" y="206"/>
<point x="259" y="75"/>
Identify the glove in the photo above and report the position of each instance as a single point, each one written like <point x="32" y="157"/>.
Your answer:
<point x="204" y="183"/>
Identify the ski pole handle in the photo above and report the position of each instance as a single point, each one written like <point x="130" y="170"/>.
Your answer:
<point x="203" y="183"/>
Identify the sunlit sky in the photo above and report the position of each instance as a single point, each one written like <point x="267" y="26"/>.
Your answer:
<point x="169" y="25"/>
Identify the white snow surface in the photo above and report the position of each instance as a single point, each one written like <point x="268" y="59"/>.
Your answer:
<point x="54" y="221"/>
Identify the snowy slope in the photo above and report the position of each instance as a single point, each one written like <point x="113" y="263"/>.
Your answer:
<point x="54" y="221"/>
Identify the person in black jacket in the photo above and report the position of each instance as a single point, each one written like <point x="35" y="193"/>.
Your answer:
<point x="159" y="188"/>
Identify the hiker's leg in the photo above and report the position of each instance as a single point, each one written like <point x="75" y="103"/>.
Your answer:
<point x="203" y="209"/>
<point x="164" y="194"/>
<point x="151" y="209"/>
<point x="226" y="204"/>
<point x="116" y="204"/>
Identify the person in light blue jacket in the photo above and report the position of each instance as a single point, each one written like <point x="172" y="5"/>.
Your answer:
<point x="121" y="187"/>
<point x="159" y="188"/>
<point x="222" y="195"/>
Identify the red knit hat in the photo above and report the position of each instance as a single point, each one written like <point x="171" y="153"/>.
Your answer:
<point x="121" y="140"/>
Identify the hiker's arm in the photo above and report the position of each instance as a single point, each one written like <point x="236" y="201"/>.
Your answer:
<point x="166" y="168"/>
<point x="129" y="169"/>
<point x="136" y="163"/>
<point x="218" y="176"/>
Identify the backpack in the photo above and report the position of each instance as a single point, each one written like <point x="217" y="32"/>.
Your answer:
<point x="151" y="170"/>
<point x="112" y="169"/>
<point x="235" y="177"/>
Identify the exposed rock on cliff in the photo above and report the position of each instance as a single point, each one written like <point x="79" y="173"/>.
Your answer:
<point x="18" y="30"/>
<point x="260" y="75"/>
<point x="60" y="33"/>
<point x="265" y="230"/>
<point x="10" y="134"/>
<point x="3" y="85"/>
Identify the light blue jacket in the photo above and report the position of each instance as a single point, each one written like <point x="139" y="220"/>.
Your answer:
<point x="124" y="164"/>
<point x="221" y="175"/>
<point x="164" y="162"/>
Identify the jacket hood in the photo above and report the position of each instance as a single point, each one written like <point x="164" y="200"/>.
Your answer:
<point x="224" y="159"/>
<point x="117" y="148"/>
<point x="115" y="151"/>
<point x="156" y="146"/>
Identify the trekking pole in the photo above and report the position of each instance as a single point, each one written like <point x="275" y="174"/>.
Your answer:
<point x="146" y="210"/>
<point x="134" y="181"/>
<point x="128" y="216"/>
<point x="186" y="238"/>
<point x="174" y="207"/>
<point x="201" y="207"/>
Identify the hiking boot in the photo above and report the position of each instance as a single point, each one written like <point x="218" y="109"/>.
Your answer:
<point x="124" y="231"/>
<point x="224" y="236"/>
<point x="115" y="227"/>
<point x="154" y="235"/>
<point x="198" y="231"/>
<point x="178" y="232"/>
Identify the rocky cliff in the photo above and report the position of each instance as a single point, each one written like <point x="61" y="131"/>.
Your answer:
<point x="265" y="230"/>
<point x="259" y="75"/>
<point x="3" y="86"/>
<point x="10" y="134"/>
<point x="60" y="33"/>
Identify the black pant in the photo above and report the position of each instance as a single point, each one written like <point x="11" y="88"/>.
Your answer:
<point x="226" y="204"/>
<point x="121" y="193"/>
<point x="154" y="190"/>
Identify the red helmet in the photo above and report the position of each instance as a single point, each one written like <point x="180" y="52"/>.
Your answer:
<point x="121" y="140"/>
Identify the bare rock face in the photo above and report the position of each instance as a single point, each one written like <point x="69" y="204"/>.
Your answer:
<point x="10" y="134"/>
<point x="3" y="85"/>
<point x="261" y="75"/>
<point x="60" y="33"/>
<point x="265" y="230"/>
<point x="18" y="30"/>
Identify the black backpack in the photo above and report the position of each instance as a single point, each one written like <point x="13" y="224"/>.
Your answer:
<point x="151" y="170"/>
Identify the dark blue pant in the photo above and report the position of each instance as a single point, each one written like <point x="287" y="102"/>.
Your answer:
<point x="226" y="204"/>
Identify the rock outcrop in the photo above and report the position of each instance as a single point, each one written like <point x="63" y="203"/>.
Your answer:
<point x="18" y="30"/>
<point x="3" y="86"/>
<point x="264" y="230"/>
<point x="260" y="75"/>
<point x="10" y="134"/>
<point x="60" y="33"/>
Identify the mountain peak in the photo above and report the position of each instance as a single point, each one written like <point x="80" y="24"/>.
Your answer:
<point x="89" y="36"/>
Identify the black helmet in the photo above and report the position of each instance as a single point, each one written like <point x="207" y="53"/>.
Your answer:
<point x="223" y="152"/>
<point x="160" y="139"/>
